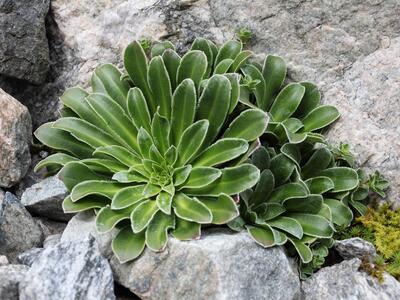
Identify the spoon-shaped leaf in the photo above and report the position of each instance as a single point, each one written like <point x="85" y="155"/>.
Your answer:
<point x="84" y="204"/>
<point x="310" y="99"/>
<point x="142" y="215"/>
<point x="183" y="109"/>
<point x="164" y="202"/>
<point x="128" y="245"/>
<point x="287" y="102"/>
<point x="107" y="218"/>
<point x="274" y="73"/>
<point x="74" y="173"/>
<point x="186" y="230"/>
<point x="319" y="185"/>
<point x="201" y="176"/>
<point x="262" y="236"/>
<point x="120" y="153"/>
<point x="223" y="208"/>
<point x="95" y="187"/>
<point x="259" y="92"/>
<point x="249" y="125"/>
<point x="288" y="225"/>
<point x="57" y="159"/>
<point x="157" y="231"/>
<point x="302" y="249"/>
<point x="193" y="65"/>
<point x="320" y="117"/>
<point x="160" y="85"/>
<point x="341" y="213"/>
<point x="229" y="50"/>
<point x="138" y="109"/>
<point x="191" y="209"/>
<point x="221" y="151"/>
<point x="128" y="196"/>
<point x="171" y="61"/>
<point x="344" y="179"/>
<point x="313" y="225"/>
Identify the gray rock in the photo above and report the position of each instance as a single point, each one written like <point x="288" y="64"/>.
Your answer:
<point x="221" y="265"/>
<point x="355" y="248"/>
<point x="28" y="257"/>
<point x="24" y="51"/>
<point x="3" y="260"/>
<point x="368" y="98"/>
<point x="45" y="199"/>
<point x="18" y="230"/>
<point x="50" y="227"/>
<point x="81" y="226"/>
<point x="10" y="276"/>
<point x="15" y="139"/>
<point x="345" y="281"/>
<point x="319" y="39"/>
<point x="52" y="240"/>
<point x="70" y="270"/>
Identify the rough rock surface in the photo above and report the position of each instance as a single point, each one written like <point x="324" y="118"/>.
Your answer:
<point x="77" y="271"/>
<point x="368" y="98"/>
<point x="3" y="260"/>
<point x="355" y="248"/>
<point x="10" y="276"/>
<point x="221" y="265"/>
<point x="18" y="230"/>
<point x="81" y="226"/>
<point x="28" y="257"/>
<point x="15" y="138"/>
<point x="50" y="227"/>
<point x="24" y="51"/>
<point x="52" y="240"/>
<point x="45" y="199"/>
<point x="346" y="281"/>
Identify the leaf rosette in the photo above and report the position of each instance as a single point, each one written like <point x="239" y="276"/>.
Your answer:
<point x="156" y="150"/>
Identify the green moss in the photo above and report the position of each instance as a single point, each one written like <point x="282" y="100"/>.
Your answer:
<point x="381" y="227"/>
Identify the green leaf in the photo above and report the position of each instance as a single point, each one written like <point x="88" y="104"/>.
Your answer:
<point x="261" y="158"/>
<point x="120" y="153"/>
<point x="232" y="181"/>
<point x="127" y="196"/>
<point x="193" y="65"/>
<point x="310" y="99"/>
<point x="183" y="109"/>
<point x="85" y="132"/>
<point x="223" y="150"/>
<point x="229" y="50"/>
<point x="181" y="174"/>
<point x="288" y="225"/>
<point x="259" y="92"/>
<point x="235" y="90"/>
<point x="171" y="61"/>
<point x="311" y="204"/>
<point x="319" y="161"/>
<point x="107" y="218"/>
<point x="203" y="45"/>
<point x="171" y="155"/>
<point x="160" y="85"/>
<point x="262" y="236"/>
<point x="164" y="202"/>
<point x="341" y="213"/>
<point x="57" y="159"/>
<point x="201" y="176"/>
<point x="75" y="99"/>
<point x="191" y="141"/>
<point x="320" y="117"/>
<point x="264" y="188"/>
<point x="302" y="249"/>
<point x="191" y="209"/>
<point x="84" y="204"/>
<point x="145" y="141"/>
<point x="160" y="131"/>
<point x="287" y="191"/>
<point x="287" y="102"/>
<point x="142" y="215"/>
<point x="313" y="225"/>
<point x="135" y="62"/>
<point x="160" y="47"/>
<point x="274" y="73"/>
<point x="344" y="179"/>
<point x="75" y="172"/>
<point x="157" y="231"/>
<point x="128" y="245"/>
<point x="185" y="230"/>
<point x="104" y="165"/>
<point x="319" y="185"/>
<point x="138" y="109"/>
<point x="293" y="152"/>
<point x="249" y="125"/>
<point x="151" y="190"/>
<point x="240" y="60"/>
<point x="119" y="125"/>
<point x="95" y="187"/>
<point x="223" y="66"/>
<point x="223" y="208"/>
<point x="62" y="140"/>
<point x="282" y="168"/>
<point x="214" y="105"/>
<point x="106" y="80"/>
<point x="129" y="177"/>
